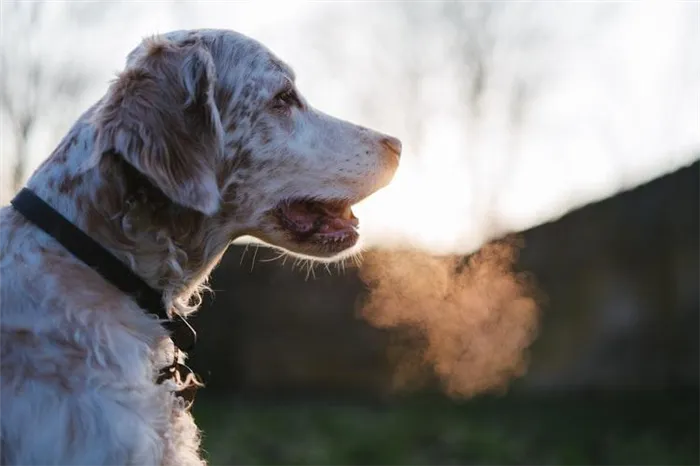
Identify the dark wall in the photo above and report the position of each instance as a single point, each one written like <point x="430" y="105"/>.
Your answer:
<point x="623" y="285"/>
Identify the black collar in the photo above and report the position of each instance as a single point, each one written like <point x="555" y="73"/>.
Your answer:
<point x="109" y="267"/>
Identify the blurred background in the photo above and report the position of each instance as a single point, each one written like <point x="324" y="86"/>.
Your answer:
<point x="529" y="287"/>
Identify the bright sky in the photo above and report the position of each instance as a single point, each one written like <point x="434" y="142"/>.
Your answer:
<point x="618" y="102"/>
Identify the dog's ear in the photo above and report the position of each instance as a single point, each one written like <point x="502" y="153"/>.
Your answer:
<point x="160" y="115"/>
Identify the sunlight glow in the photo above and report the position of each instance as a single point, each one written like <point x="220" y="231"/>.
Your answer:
<point x="616" y="103"/>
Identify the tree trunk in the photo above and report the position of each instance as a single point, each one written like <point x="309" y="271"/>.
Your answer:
<point x="21" y="155"/>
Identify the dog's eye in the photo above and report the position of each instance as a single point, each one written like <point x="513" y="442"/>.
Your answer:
<point x="287" y="98"/>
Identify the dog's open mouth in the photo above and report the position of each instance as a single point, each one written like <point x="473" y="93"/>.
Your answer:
<point x="320" y="221"/>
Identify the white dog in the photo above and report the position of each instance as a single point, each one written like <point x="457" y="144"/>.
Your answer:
<point x="201" y="139"/>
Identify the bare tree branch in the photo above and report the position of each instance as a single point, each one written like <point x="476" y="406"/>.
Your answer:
<point x="32" y="84"/>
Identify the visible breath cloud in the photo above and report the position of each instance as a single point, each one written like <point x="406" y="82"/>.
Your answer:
<point x="467" y="321"/>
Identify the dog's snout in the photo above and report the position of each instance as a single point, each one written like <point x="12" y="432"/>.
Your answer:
<point x="392" y="144"/>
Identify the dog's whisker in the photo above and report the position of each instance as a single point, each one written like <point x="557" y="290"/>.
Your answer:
<point x="245" y="250"/>
<point x="277" y="257"/>
<point x="255" y="254"/>
<point x="357" y="258"/>
<point x="306" y="265"/>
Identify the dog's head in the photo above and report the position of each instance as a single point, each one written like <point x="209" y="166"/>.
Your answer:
<point x="215" y="121"/>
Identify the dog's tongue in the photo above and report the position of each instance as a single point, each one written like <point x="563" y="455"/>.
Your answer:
<point x="300" y="216"/>
<point x="326" y="218"/>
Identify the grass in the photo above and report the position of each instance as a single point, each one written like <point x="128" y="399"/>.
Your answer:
<point x="612" y="429"/>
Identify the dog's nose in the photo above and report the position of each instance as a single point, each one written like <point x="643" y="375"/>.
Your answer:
<point x="392" y="144"/>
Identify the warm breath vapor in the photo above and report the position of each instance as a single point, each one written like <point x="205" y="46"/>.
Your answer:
<point x="467" y="321"/>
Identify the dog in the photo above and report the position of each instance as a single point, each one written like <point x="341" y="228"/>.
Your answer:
<point x="201" y="139"/>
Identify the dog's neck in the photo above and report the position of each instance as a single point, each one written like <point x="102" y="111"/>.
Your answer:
<point x="170" y="247"/>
